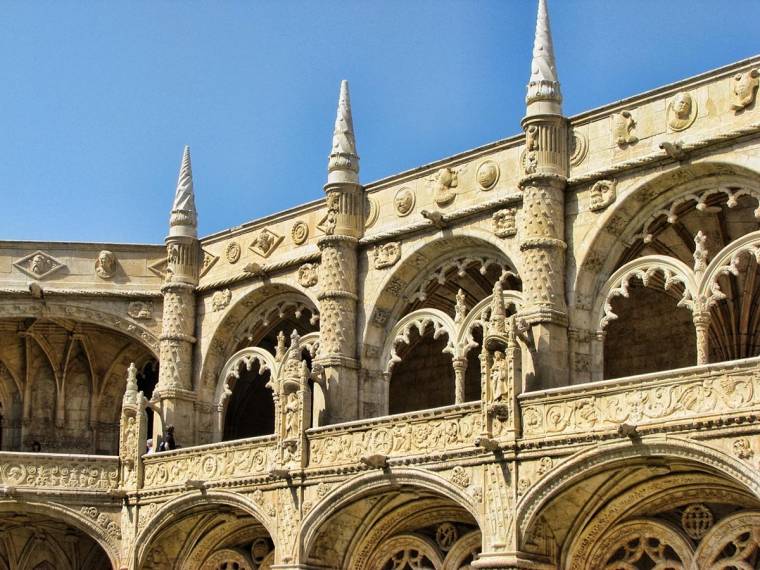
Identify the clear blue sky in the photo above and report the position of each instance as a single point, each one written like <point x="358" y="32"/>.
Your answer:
<point x="98" y="98"/>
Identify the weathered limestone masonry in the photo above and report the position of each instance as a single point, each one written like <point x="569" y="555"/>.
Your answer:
<point x="540" y="354"/>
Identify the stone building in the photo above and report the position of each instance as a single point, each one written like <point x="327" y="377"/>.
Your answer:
<point x="537" y="354"/>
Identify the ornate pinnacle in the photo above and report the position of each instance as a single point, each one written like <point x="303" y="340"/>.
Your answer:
<point x="544" y="83"/>
<point x="184" y="218"/>
<point x="343" y="164"/>
<point x="498" y="319"/>
<point x="130" y="394"/>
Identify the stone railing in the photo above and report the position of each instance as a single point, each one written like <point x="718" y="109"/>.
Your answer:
<point x="226" y="461"/>
<point x="415" y="433"/>
<point x="698" y="393"/>
<point x="82" y="473"/>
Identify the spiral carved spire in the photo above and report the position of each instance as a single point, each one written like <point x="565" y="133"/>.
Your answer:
<point x="343" y="164"/>
<point x="184" y="217"/>
<point x="544" y="83"/>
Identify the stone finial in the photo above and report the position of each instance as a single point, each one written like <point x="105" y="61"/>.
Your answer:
<point x="700" y="252"/>
<point x="130" y="393"/>
<point x="544" y="94"/>
<point x="498" y="318"/>
<point x="184" y="218"/>
<point x="343" y="164"/>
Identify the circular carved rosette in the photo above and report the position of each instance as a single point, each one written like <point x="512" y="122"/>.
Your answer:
<point x="299" y="233"/>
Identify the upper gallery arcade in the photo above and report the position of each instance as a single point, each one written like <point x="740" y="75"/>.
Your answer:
<point x="490" y="322"/>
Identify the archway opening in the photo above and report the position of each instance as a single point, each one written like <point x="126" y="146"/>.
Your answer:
<point x="40" y="542"/>
<point x="410" y="528"/>
<point x="650" y="333"/>
<point x="250" y="411"/>
<point x="210" y="536"/>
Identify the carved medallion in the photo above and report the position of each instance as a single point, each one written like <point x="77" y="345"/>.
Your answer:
<point x="578" y="147"/>
<point x="446" y="536"/>
<point x="299" y="233"/>
<point x="387" y="254"/>
<point x="209" y="259"/>
<point x="460" y="476"/>
<point x="623" y="127"/>
<point x="504" y="222"/>
<point x="265" y="243"/>
<point x="308" y="275"/>
<point x="488" y="175"/>
<point x="744" y="89"/>
<point x="232" y="252"/>
<point x="603" y="193"/>
<point x="220" y="299"/>
<point x="140" y="310"/>
<point x="696" y="520"/>
<point x="106" y="265"/>
<point x="39" y="265"/>
<point x="371" y="212"/>
<point x="682" y="111"/>
<point x="404" y="202"/>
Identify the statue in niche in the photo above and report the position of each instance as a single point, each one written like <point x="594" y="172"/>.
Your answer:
<point x="682" y="111"/>
<point x="292" y="406"/>
<point x="105" y="265"/>
<point x="744" y="89"/>
<point x="499" y="377"/>
<point x="624" y="126"/>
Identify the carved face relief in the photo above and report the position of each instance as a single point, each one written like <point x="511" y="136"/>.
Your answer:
<point x="387" y="254"/>
<point x="404" y="202"/>
<point x="488" y="175"/>
<point x="744" y="88"/>
<point x="220" y="299"/>
<point x="603" y="193"/>
<point x="504" y="224"/>
<point x="265" y="243"/>
<point x="682" y="111"/>
<point x="105" y="265"/>
<point x="38" y="265"/>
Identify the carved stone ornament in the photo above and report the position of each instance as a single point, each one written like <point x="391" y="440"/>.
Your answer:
<point x="403" y="201"/>
<point x="328" y="223"/>
<point x="682" y="111"/>
<point x="442" y="184"/>
<point x="106" y="265"/>
<point x="371" y="212"/>
<point x="504" y="222"/>
<point x="744" y="89"/>
<point x="742" y="448"/>
<point x="578" y="147"/>
<point x="39" y="265"/>
<point x="209" y="259"/>
<point x="159" y="267"/>
<point x="696" y="520"/>
<point x="232" y="252"/>
<point x="140" y="310"/>
<point x="308" y="275"/>
<point x="220" y="299"/>
<point x="387" y="254"/>
<point x="299" y="233"/>
<point x="265" y="242"/>
<point x="603" y="193"/>
<point x="623" y="127"/>
<point x="488" y="175"/>
<point x="460" y="476"/>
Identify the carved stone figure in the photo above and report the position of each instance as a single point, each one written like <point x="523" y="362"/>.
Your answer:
<point x="292" y="406"/>
<point x="403" y="201"/>
<point x="441" y="184"/>
<point x="603" y="193"/>
<point x="682" y="111"/>
<point x="105" y="265"/>
<point x="264" y="243"/>
<point x="488" y="175"/>
<point x="700" y="252"/>
<point x="460" y="309"/>
<point x="220" y="299"/>
<point x="623" y="129"/>
<point x="504" y="222"/>
<point x="38" y="265"/>
<point x="329" y="222"/>
<point x="744" y="89"/>
<point x="140" y="310"/>
<point x="308" y="275"/>
<point x="499" y="377"/>
<point x="387" y="254"/>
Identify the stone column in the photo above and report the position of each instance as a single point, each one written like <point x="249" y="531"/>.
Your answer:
<point x="343" y="225"/>
<point x="702" y="326"/>
<point x="174" y="390"/>
<point x="460" y="367"/>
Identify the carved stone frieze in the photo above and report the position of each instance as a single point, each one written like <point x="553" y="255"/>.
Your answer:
<point x="386" y="255"/>
<point x="39" y="265"/>
<point x="62" y="472"/>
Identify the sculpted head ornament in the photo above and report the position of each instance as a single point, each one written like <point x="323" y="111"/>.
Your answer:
<point x="105" y="265"/>
<point x="682" y="111"/>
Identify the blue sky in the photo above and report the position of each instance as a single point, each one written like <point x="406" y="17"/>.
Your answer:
<point x="98" y="98"/>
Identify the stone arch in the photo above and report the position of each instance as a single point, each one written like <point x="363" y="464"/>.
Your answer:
<point x="374" y="484"/>
<point x="75" y="519"/>
<point x="656" y="451"/>
<point x="417" y="266"/>
<point x="174" y="509"/>
<point x="226" y="335"/>
<point x="93" y="315"/>
<point x="617" y="226"/>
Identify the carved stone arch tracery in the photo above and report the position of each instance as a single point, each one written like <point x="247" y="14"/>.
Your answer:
<point x="407" y="552"/>
<point x="420" y="320"/>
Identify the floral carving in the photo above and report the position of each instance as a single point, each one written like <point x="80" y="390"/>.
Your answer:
<point x="299" y="233"/>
